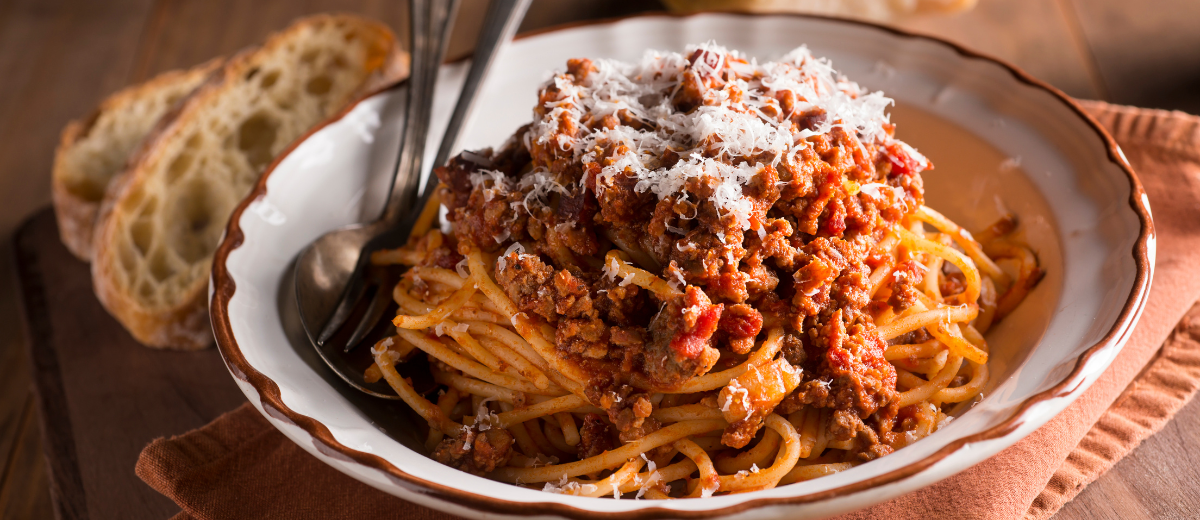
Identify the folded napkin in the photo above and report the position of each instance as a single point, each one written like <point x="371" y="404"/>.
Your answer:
<point x="239" y="466"/>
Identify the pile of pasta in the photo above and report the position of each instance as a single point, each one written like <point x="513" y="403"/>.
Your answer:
<point x="497" y="368"/>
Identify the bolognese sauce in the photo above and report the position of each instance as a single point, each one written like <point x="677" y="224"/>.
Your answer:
<point x="693" y="237"/>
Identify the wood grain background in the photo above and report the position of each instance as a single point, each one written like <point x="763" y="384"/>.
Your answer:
<point x="59" y="58"/>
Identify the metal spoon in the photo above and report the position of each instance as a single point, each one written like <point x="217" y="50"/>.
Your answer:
<point x="329" y="273"/>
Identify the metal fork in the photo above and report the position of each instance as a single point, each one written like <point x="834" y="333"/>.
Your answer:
<point x="330" y="276"/>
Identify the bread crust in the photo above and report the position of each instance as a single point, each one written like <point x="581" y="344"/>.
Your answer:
<point x="184" y="325"/>
<point x="76" y="215"/>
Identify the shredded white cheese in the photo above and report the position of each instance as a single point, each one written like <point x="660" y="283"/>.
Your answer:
<point x="612" y="268"/>
<point x="566" y="487"/>
<point x="502" y="260"/>
<point x="741" y="118"/>
<point x="626" y="280"/>
<point x="498" y="183"/>
<point x="676" y="282"/>
<point x="875" y="190"/>
<point x="650" y="482"/>
<point x="485" y="419"/>
<point x="539" y="184"/>
<point x="735" y="389"/>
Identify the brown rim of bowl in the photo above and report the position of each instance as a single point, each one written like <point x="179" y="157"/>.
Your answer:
<point x="270" y="397"/>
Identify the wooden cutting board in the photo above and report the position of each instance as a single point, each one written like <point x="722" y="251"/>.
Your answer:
<point x="101" y="395"/>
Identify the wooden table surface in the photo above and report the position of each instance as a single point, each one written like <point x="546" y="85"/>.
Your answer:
<point x="59" y="58"/>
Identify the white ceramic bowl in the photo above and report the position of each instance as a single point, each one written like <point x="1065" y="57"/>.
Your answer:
<point x="1000" y="139"/>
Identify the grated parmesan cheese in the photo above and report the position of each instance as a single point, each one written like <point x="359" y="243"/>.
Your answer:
<point x="612" y="268"/>
<point x="628" y="279"/>
<point x="485" y="418"/>
<point x="498" y="183"/>
<point x="734" y="390"/>
<point x="740" y="119"/>
<point x="650" y="482"/>
<point x="569" y="487"/>
<point x="875" y="190"/>
<point x="502" y="260"/>
<point x="677" y="282"/>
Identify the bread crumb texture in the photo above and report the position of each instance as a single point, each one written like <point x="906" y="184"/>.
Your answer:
<point x="166" y="224"/>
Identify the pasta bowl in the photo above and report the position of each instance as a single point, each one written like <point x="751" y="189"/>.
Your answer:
<point x="1002" y="142"/>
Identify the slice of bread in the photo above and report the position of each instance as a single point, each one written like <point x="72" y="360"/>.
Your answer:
<point x="161" y="218"/>
<point x="92" y="150"/>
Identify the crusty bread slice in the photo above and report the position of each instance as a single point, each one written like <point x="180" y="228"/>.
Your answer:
<point x="92" y="150"/>
<point x="161" y="218"/>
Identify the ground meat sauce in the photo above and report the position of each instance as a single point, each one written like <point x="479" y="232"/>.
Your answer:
<point x="759" y="192"/>
<point x="475" y="452"/>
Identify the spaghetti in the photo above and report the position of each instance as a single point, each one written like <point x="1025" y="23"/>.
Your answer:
<point x="693" y="275"/>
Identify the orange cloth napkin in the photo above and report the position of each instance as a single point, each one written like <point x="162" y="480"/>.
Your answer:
<point x="239" y="466"/>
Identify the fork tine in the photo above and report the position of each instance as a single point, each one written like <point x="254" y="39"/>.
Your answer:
<point x="375" y="311"/>
<point x="354" y="293"/>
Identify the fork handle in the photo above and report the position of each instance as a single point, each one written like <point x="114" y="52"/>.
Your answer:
<point x="501" y="22"/>
<point x="430" y="24"/>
